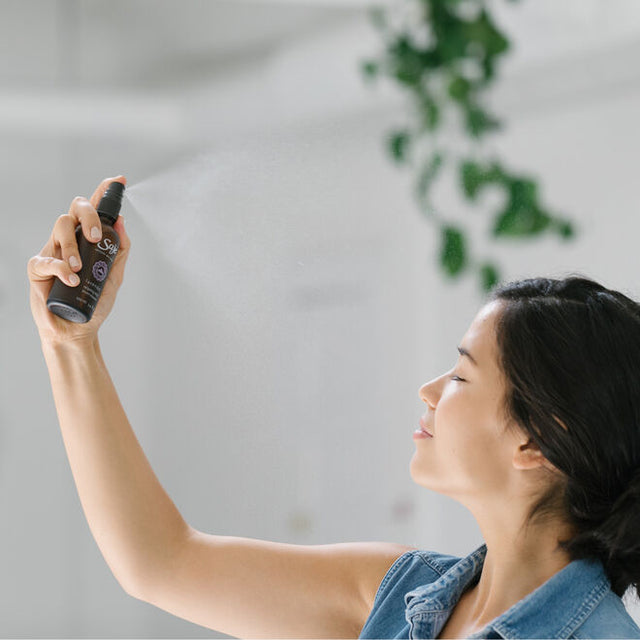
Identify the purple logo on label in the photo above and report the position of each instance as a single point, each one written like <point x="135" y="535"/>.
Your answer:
<point x="100" y="270"/>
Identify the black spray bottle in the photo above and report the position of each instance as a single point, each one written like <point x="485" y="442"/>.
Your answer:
<point x="78" y="303"/>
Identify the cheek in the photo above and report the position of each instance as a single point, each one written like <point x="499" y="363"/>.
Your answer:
<point x="465" y="429"/>
<point x="455" y="414"/>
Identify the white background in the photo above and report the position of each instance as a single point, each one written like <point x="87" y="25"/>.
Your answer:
<point x="270" y="364"/>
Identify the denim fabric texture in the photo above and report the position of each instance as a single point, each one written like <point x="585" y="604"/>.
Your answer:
<point x="421" y="588"/>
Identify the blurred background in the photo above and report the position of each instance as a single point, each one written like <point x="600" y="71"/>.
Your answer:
<point x="282" y="303"/>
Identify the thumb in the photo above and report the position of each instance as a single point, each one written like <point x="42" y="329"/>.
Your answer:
<point x="117" y="271"/>
<point x="125" y="241"/>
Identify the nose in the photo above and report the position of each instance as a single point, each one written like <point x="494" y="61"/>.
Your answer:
<point x="428" y="393"/>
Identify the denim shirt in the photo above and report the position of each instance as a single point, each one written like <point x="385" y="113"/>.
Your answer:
<point x="421" y="588"/>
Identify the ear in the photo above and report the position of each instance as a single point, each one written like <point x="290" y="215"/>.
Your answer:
<point x="529" y="456"/>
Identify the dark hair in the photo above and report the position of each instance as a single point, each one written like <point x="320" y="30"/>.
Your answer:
<point x="570" y="353"/>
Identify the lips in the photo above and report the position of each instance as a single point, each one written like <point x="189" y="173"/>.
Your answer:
<point x="423" y="426"/>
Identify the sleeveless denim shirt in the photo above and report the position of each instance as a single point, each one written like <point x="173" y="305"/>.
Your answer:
<point x="421" y="588"/>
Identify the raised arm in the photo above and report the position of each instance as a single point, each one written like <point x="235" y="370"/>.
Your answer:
<point x="134" y="522"/>
<point x="130" y="515"/>
<point x="243" y="587"/>
<point x="240" y="586"/>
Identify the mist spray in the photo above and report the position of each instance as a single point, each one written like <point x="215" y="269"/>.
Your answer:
<point x="78" y="303"/>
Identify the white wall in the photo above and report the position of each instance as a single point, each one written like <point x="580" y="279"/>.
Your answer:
<point x="276" y="395"/>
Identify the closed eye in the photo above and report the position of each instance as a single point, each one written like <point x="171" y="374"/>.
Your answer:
<point x="457" y="378"/>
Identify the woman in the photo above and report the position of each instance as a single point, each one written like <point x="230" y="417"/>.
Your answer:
<point x="536" y="430"/>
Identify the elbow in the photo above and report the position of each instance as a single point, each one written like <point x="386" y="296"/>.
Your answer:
<point x="143" y="579"/>
<point x="130" y="587"/>
<point x="136" y="587"/>
<point x="131" y="593"/>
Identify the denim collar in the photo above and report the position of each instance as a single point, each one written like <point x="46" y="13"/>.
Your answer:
<point x="558" y="606"/>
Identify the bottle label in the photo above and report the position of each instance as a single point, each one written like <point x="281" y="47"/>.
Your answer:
<point x="102" y="257"/>
<point x="97" y="260"/>
<point x="100" y="270"/>
<point x="107" y="246"/>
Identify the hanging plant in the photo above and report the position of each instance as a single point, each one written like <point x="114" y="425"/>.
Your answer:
<point x="445" y="54"/>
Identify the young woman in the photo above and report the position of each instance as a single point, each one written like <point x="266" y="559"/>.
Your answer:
<point x="536" y="430"/>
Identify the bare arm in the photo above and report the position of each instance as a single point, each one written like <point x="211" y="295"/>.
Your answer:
<point x="131" y="517"/>
<point x="250" y="588"/>
<point x="133" y="520"/>
<point x="243" y="587"/>
<point x="240" y="586"/>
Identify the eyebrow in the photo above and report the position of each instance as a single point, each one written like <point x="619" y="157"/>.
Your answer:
<point x="463" y="352"/>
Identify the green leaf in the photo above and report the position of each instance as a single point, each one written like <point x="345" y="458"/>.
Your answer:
<point x="399" y="145"/>
<point x="524" y="193"/>
<point x="479" y="121"/>
<point x="459" y="89"/>
<point x="483" y="31"/>
<point x="489" y="276"/>
<point x="522" y="216"/>
<point x="430" y="113"/>
<point x="565" y="229"/>
<point x="370" y="68"/>
<point x="431" y="59"/>
<point x="514" y="221"/>
<point x="406" y="62"/>
<point x="497" y="175"/>
<point x="474" y="176"/>
<point x="453" y="256"/>
<point x="453" y="48"/>
<point x="471" y="174"/>
<point x="428" y="173"/>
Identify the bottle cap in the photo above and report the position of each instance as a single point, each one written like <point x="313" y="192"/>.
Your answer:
<point x="111" y="202"/>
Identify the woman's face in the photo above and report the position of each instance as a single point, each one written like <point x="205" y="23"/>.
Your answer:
<point x="470" y="457"/>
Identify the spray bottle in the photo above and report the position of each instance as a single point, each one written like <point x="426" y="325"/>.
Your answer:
<point x="78" y="303"/>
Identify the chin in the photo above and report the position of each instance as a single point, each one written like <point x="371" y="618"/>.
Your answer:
<point x="415" y="472"/>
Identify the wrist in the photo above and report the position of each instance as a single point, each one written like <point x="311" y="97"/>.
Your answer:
<point x="69" y="345"/>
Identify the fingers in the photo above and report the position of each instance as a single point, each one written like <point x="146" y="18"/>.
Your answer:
<point x="43" y="268"/>
<point x="65" y="262"/>
<point x="64" y="236"/>
<point x="83" y="212"/>
<point x="64" y="231"/>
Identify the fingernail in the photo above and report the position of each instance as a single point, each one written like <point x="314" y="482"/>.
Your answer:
<point x="73" y="279"/>
<point x="96" y="233"/>
<point x="74" y="262"/>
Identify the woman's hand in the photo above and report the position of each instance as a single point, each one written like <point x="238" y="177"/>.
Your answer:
<point x="54" y="261"/>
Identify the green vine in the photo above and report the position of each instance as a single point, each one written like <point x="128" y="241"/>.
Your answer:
<point x="454" y="66"/>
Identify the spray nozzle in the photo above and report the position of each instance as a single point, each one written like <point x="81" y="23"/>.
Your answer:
<point x="111" y="202"/>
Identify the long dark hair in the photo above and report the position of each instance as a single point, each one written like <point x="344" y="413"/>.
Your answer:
<point x="570" y="352"/>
